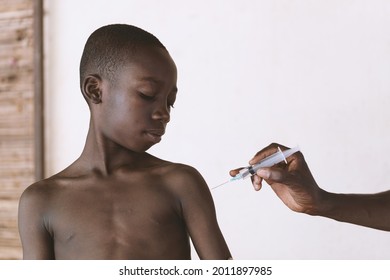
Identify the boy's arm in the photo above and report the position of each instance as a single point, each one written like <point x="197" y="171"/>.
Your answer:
<point x="200" y="217"/>
<point x="36" y="240"/>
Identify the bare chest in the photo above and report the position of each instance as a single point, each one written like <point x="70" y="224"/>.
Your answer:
<point x="115" y="219"/>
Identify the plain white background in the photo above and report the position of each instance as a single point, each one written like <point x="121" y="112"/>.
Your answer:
<point x="308" y="73"/>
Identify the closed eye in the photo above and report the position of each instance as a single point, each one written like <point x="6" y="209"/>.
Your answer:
<point x="146" y="97"/>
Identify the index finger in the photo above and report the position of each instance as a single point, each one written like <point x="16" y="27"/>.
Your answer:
<point x="234" y="172"/>
<point x="267" y="151"/>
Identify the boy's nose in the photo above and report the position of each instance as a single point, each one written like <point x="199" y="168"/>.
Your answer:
<point x="162" y="113"/>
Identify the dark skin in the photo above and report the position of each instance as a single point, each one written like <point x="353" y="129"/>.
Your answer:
<point x="117" y="201"/>
<point x="294" y="184"/>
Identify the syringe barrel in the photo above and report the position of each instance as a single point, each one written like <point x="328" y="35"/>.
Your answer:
<point x="269" y="161"/>
<point x="246" y="172"/>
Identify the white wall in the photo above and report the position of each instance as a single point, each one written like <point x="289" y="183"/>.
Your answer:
<point x="313" y="73"/>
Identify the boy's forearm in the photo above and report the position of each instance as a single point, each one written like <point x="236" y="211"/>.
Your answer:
<point x="370" y="210"/>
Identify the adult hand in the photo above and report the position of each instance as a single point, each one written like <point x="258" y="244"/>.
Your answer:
<point x="293" y="182"/>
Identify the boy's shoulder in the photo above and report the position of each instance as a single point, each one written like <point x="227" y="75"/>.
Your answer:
<point x="37" y="197"/>
<point x="183" y="176"/>
<point x="41" y="189"/>
<point x="173" y="169"/>
<point x="180" y="170"/>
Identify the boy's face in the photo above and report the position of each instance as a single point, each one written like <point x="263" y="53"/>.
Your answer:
<point x="135" y="109"/>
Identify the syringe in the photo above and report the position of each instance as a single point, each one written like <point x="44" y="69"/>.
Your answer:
<point x="269" y="161"/>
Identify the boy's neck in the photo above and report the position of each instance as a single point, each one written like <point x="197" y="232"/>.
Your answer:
<point x="103" y="156"/>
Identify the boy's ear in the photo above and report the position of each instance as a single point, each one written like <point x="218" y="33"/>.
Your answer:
<point x="92" y="89"/>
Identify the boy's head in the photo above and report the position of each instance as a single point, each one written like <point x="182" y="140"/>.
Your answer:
<point x="107" y="49"/>
<point x="129" y="81"/>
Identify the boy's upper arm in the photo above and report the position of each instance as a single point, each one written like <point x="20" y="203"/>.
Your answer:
<point x="36" y="241"/>
<point x="200" y="217"/>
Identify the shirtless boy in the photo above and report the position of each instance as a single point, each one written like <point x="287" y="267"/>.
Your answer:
<point x="116" y="201"/>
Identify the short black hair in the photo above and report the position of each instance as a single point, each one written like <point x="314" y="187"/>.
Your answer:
<point x="108" y="47"/>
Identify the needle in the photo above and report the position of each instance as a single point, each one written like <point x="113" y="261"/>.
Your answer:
<point x="220" y="185"/>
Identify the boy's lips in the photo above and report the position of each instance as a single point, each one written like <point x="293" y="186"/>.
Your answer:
<point x="155" y="134"/>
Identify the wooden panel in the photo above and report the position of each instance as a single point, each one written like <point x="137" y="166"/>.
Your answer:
<point x="16" y="117"/>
